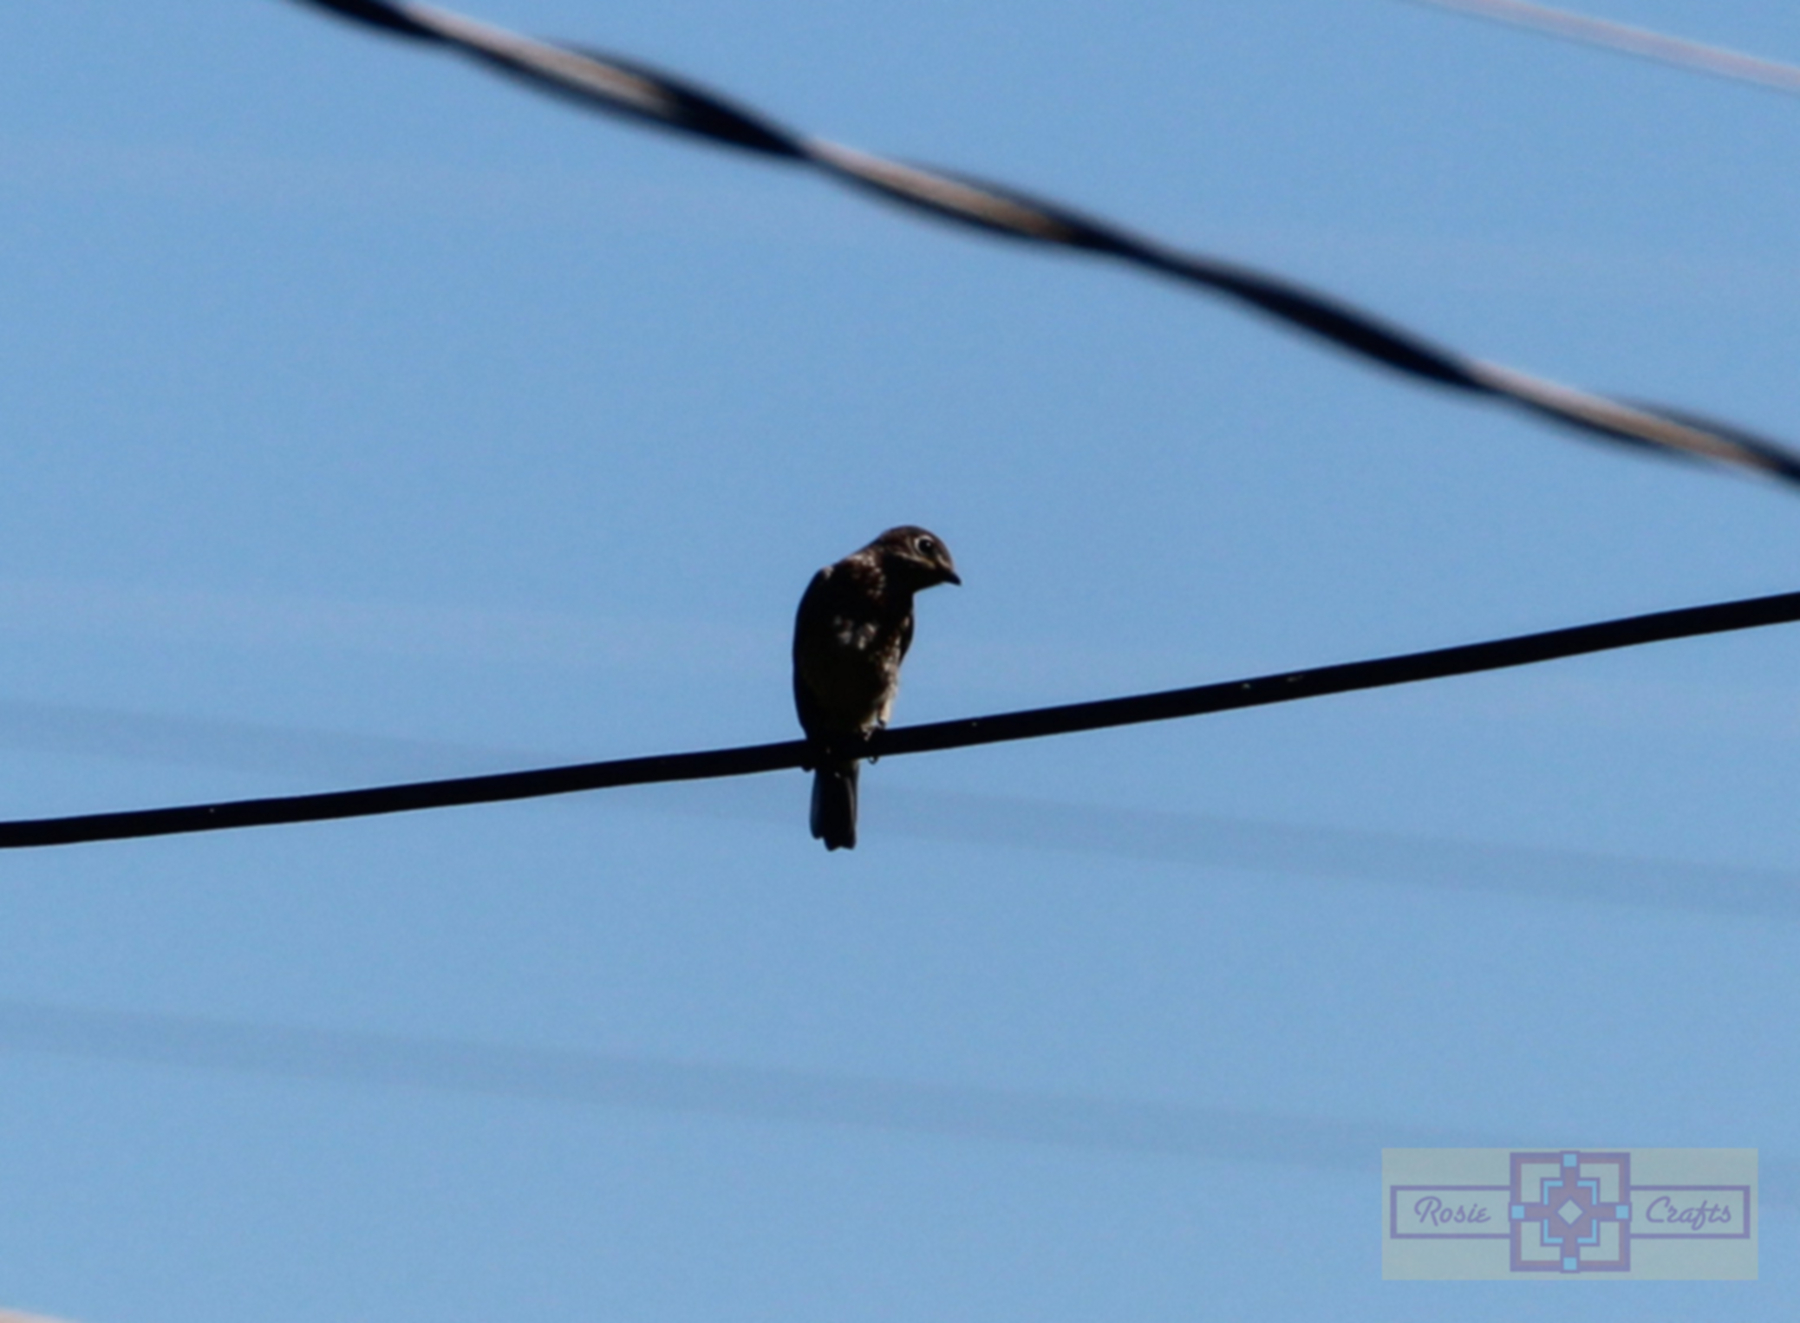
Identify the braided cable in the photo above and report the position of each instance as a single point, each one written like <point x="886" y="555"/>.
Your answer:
<point x="624" y="87"/>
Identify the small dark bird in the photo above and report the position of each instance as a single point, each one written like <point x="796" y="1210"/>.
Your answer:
<point x="853" y="628"/>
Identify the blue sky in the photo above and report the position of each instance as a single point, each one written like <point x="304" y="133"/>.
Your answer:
<point x="367" y="417"/>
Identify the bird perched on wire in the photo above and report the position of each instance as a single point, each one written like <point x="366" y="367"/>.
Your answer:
<point x="853" y="628"/>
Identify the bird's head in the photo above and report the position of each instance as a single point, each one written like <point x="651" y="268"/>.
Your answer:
<point x="916" y="557"/>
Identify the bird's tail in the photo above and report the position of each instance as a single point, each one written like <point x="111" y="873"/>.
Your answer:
<point x="834" y="805"/>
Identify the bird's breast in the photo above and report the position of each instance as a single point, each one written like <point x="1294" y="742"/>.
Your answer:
<point x="851" y="673"/>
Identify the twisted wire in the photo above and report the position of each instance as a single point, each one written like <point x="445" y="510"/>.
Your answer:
<point x="624" y="87"/>
<point x="964" y="732"/>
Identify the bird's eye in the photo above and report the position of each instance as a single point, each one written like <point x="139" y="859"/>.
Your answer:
<point x="926" y="546"/>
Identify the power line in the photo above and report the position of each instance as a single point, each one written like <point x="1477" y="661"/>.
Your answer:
<point x="624" y="87"/>
<point x="964" y="732"/>
<point x="757" y="1093"/>
<point x="1664" y="49"/>
<point x="769" y="1094"/>
<point x="1183" y="839"/>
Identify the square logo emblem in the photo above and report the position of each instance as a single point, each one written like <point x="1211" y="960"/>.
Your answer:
<point x="1568" y="1214"/>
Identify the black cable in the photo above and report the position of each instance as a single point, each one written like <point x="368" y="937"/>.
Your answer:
<point x="964" y="732"/>
<point x="625" y="87"/>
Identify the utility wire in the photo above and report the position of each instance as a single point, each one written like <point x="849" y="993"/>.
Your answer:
<point x="1200" y="700"/>
<point x="1184" y="839"/>
<point x="627" y="88"/>
<point x="1664" y="49"/>
<point x="770" y="1094"/>
<point x="748" y="1092"/>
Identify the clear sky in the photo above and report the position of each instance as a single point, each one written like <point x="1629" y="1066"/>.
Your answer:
<point x="367" y="417"/>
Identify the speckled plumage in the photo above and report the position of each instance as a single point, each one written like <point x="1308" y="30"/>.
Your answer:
<point x="851" y="633"/>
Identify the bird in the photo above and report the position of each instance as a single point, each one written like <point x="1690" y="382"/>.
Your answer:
<point x="851" y="633"/>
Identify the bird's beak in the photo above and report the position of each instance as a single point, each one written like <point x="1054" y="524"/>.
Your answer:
<point x="951" y="576"/>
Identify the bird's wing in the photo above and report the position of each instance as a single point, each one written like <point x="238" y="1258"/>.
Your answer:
<point x="812" y="622"/>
